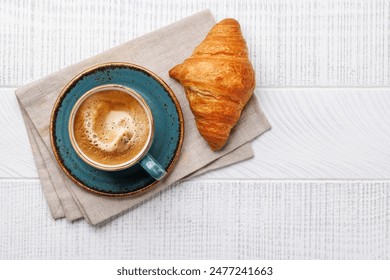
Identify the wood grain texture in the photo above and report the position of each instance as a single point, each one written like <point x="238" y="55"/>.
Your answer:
<point x="291" y="43"/>
<point x="16" y="160"/>
<point x="320" y="133"/>
<point x="209" y="220"/>
<point x="317" y="133"/>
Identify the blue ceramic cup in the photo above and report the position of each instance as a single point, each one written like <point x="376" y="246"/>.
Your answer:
<point x="143" y="158"/>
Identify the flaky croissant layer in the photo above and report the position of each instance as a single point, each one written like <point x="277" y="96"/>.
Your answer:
<point x="218" y="79"/>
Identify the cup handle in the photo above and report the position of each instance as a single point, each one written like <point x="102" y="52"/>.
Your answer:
<point x="152" y="167"/>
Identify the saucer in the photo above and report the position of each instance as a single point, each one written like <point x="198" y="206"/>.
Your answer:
<point x="168" y="133"/>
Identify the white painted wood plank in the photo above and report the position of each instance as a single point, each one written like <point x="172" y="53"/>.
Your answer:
<point x="292" y="43"/>
<point x="16" y="160"/>
<point x="208" y="220"/>
<point x="316" y="133"/>
<point x="320" y="133"/>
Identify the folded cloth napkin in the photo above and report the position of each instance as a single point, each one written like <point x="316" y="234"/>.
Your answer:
<point x="158" y="51"/>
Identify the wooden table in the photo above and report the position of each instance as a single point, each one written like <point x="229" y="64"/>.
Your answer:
<point x="318" y="185"/>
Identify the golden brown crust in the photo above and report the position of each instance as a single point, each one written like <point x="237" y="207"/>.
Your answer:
<point x="218" y="79"/>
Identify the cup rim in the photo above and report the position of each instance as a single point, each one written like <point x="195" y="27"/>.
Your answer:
<point x="87" y="159"/>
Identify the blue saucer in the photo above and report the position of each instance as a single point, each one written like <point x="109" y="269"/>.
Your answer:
<point x="168" y="134"/>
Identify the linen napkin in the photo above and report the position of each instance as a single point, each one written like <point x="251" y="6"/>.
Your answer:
<point x="158" y="51"/>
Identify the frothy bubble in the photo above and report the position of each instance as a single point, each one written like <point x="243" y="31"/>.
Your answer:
<point x="117" y="131"/>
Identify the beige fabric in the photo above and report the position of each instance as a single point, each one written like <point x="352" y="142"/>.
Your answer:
<point x="53" y="181"/>
<point x="158" y="51"/>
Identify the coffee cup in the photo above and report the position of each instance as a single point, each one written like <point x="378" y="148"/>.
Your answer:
<point x="111" y="128"/>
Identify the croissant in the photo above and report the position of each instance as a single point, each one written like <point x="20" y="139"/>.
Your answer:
<point x="218" y="80"/>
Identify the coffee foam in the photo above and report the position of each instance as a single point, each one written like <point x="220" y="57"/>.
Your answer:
<point x="118" y="132"/>
<point x="111" y="127"/>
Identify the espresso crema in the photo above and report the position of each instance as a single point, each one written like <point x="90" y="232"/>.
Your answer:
<point x="111" y="127"/>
